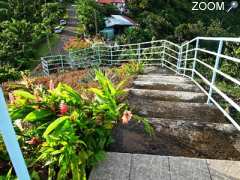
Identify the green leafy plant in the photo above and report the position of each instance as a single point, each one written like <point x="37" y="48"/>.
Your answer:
<point x="68" y="133"/>
<point x="129" y="69"/>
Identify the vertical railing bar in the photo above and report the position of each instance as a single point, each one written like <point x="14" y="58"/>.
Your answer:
<point x="179" y="59"/>
<point x="111" y="55"/>
<point x="163" y="52"/>
<point x="10" y="140"/>
<point x="139" y="52"/>
<point x="62" y="62"/>
<point x="71" y="59"/>
<point x="185" y="59"/>
<point x="195" y="57"/>
<point x="99" y="58"/>
<point x="216" y="67"/>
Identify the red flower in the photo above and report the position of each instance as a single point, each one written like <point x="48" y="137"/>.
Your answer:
<point x="63" y="108"/>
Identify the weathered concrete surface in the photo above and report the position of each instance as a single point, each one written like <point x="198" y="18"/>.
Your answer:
<point x="188" y="169"/>
<point x="176" y="110"/>
<point x="157" y="70"/>
<point x="179" y="138"/>
<point x="148" y="167"/>
<point x="166" y="86"/>
<point x="115" y="167"/>
<point x="224" y="169"/>
<point x="120" y="166"/>
<point x="177" y="96"/>
<point x="164" y="78"/>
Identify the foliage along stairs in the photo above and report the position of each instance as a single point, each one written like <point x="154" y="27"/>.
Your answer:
<point x="184" y="126"/>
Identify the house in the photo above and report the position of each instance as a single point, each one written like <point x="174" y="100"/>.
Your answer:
<point x="116" y="24"/>
<point x="120" y="4"/>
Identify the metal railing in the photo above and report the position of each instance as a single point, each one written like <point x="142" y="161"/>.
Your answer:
<point x="203" y="60"/>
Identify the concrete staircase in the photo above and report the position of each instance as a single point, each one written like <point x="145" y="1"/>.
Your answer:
<point x="169" y="96"/>
<point x="184" y="125"/>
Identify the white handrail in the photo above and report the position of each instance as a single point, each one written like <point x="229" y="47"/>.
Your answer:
<point x="181" y="59"/>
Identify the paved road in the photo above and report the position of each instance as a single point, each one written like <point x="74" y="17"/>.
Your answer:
<point x="69" y="31"/>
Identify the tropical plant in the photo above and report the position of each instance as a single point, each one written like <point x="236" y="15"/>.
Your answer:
<point x="67" y="132"/>
<point x="129" y="69"/>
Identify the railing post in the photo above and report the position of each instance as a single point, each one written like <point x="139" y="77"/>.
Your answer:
<point x="216" y="67"/>
<point x="71" y="59"/>
<point x="61" y="57"/>
<point x="163" y="52"/>
<point x="139" y="52"/>
<point x="10" y="140"/>
<point x="195" y="57"/>
<point x="186" y="58"/>
<point x="111" y="55"/>
<point x="179" y="59"/>
<point x="99" y="57"/>
<point x="45" y="67"/>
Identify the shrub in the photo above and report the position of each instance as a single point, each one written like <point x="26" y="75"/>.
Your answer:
<point x="68" y="132"/>
<point x="8" y="73"/>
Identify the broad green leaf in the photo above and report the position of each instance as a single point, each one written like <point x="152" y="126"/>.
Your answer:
<point x="19" y="113"/>
<point x="54" y="125"/>
<point x="96" y="91"/>
<point x="38" y="115"/>
<point x="24" y="94"/>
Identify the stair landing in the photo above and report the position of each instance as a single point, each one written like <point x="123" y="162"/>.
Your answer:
<point x="125" y="166"/>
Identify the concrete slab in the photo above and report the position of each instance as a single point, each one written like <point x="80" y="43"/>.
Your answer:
<point x="177" y="96"/>
<point x="115" y="167"/>
<point x="224" y="170"/>
<point x="149" y="167"/>
<point x="124" y="166"/>
<point x="188" y="169"/>
<point x="198" y="112"/>
<point x="166" y="86"/>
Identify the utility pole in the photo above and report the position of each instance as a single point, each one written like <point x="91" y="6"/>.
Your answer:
<point x="95" y="19"/>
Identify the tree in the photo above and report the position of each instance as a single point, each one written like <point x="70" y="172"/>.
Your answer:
<point x="188" y="31"/>
<point x="90" y="16"/>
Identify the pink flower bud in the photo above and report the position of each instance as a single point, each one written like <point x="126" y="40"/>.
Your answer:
<point x="11" y="98"/>
<point x="51" y="85"/>
<point x="63" y="108"/>
<point x="127" y="115"/>
<point x="33" y="141"/>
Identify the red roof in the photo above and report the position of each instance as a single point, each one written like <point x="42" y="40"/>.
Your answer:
<point x="110" y="1"/>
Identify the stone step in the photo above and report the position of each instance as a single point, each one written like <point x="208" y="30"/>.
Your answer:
<point x="186" y="129"/>
<point x="176" y="110"/>
<point x="177" y="96"/>
<point x="166" y="86"/>
<point x="157" y="70"/>
<point x="125" y="166"/>
<point x="179" y="138"/>
<point x="164" y="78"/>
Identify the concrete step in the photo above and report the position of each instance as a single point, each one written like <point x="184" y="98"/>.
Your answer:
<point x="157" y="70"/>
<point x="191" y="130"/>
<point x="125" y="166"/>
<point x="177" y="96"/>
<point x="179" y="138"/>
<point x="166" y="86"/>
<point x="176" y="110"/>
<point x="164" y="78"/>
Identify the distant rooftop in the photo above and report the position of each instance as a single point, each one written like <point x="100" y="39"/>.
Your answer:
<point x="110" y="1"/>
<point x="118" y="20"/>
